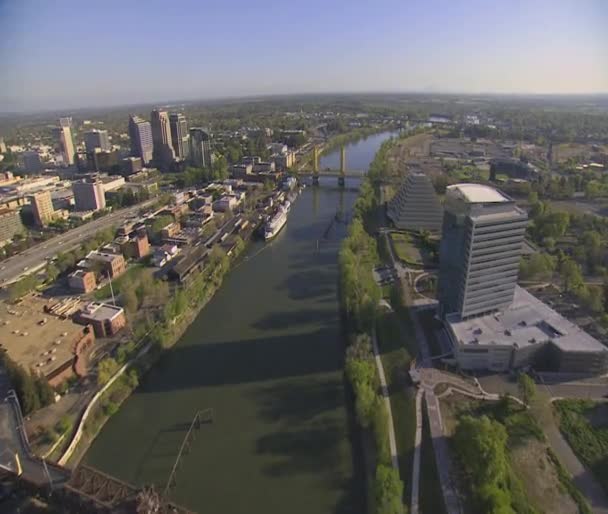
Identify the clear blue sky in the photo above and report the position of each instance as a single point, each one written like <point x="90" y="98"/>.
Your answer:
<point x="73" y="53"/>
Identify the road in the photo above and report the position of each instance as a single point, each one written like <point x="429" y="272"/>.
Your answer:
<point x="33" y="258"/>
<point x="13" y="442"/>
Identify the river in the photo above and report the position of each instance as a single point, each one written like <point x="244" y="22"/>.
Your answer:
<point x="266" y="355"/>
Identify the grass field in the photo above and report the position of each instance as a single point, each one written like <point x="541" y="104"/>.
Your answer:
<point x="584" y="423"/>
<point x="538" y="483"/>
<point x="133" y="273"/>
<point x="395" y="360"/>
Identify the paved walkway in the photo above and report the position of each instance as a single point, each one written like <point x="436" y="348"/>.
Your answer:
<point x="582" y="477"/>
<point x="387" y="402"/>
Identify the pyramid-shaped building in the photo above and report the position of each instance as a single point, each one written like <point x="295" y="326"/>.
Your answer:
<point x="416" y="205"/>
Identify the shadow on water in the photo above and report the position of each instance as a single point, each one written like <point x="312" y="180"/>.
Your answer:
<point x="245" y="360"/>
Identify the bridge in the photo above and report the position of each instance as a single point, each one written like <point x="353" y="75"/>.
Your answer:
<point x="83" y="489"/>
<point x="341" y="173"/>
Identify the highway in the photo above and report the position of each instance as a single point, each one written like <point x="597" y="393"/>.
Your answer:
<point x="34" y="258"/>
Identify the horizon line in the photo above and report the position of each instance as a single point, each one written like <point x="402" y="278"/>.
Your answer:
<point x="244" y="97"/>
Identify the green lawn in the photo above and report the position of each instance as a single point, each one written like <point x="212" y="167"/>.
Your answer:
<point x="132" y="274"/>
<point x="396" y="360"/>
<point x="405" y="249"/>
<point x="584" y="423"/>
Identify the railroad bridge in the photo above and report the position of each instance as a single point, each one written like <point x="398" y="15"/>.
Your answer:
<point x="84" y="489"/>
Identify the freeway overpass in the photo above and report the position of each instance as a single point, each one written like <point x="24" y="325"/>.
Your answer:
<point x="33" y="259"/>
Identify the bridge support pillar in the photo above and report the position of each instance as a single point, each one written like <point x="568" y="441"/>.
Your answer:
<point x="341" y="181"/>
<point x="315" y="180"/>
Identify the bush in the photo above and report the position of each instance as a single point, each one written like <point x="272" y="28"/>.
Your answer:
<point x="388" y="490"/>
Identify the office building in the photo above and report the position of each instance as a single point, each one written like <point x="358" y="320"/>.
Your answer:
<point x="31" y="162"/>
<point x="42" y="208"/>
<point x="179" y="135"/>
<point x="131" y="165"/>
<point x="491" y="322"/>
<point x="163" y="143"/>
<point x="483" y="233"/>
<point x="200" y="147"/>
<point x="2" y="145"/>
<point x="142" y="144"/>
<point x="101" y="160"/>
<point x="89" y="195"/>
<point x="416" y="206"/>
<point x="94" y="139"/>
<point x="525" y="333"/>
<point x="10" y="224"/>
<point x="63" y="138"/>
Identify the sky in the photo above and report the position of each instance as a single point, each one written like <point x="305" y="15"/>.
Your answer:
<point x="70" y="53"/>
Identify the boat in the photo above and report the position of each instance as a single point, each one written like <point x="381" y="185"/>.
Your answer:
<point x="274" y="225"/>
<point x="286" y="206"/>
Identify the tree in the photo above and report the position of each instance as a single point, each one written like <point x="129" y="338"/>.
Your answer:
<point x="388" y="490"/>
<point x="106" y="370"/>
<point x="527" y="388"/>
<point x="52" y="272"/>
<point x="571" y="274"/>
<point x="129" y="299"/>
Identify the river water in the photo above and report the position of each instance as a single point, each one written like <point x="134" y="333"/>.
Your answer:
<point x="266" y="355"/>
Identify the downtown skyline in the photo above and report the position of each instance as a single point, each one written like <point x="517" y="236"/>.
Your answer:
<point x="118" y="52"/>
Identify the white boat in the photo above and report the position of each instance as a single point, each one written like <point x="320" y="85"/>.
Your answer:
<point x="286" y="206"/>
<point x="275" y="224"/>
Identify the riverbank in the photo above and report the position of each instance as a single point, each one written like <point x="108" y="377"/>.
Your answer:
<point x="266" y="355"/>
<point x="350" y="137"/>
<point x="144" y="355"/>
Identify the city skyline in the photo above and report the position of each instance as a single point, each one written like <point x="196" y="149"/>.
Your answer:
<point x="516" y="48"/>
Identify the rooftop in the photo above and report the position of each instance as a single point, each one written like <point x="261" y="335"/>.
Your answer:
<point x="527" y="321"/>
<point x="100" y="311"/>
<point x="478" y="193"/>
<point x="35" y="339"/>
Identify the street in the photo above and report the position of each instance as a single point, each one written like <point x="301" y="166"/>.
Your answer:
<point x="33" y="258"/>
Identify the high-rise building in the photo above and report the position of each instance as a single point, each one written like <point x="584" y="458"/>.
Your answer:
<point x="63" y="137"/>
<point x="10" y="224"/>
<point x="42" y="208"/>
<point x="161" y="135"/>
<point x="179" y="135"/>
<point x="142" y="145"/>
<point x="200" y="147"/>
<point x="2" y="145"/>
<point x="481" y="245"/>
<point x="416" y="206"/>
<point x="97" y="139"/>
<point x="31" y="162"/>
<point x="89" y="195"/>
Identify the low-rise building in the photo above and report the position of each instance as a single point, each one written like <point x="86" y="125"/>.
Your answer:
<point x="136" y="246"/>
<point x="171" y="230"/>
<point x="110" y="264"/>
<point x="225" y="203"/>
<point x="164" y="254"/>
<point x="105" y="319"/>
<point x="48" y="345"/>
<point x="242" y="170"/>
<point x="82" y="281"/>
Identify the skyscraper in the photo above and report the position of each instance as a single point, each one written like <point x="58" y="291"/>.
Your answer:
<point x="161" y="135"/>
<point x="179" y="135"/>
<point x="140" y="132"/>
<point x="200" y="147"/>
<point x="483" y="233"/>
<point x="97" y="139"/>
<point x="63" y="137"/>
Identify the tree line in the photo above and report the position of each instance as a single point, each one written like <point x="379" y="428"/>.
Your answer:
<point x="359" y="295"/>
